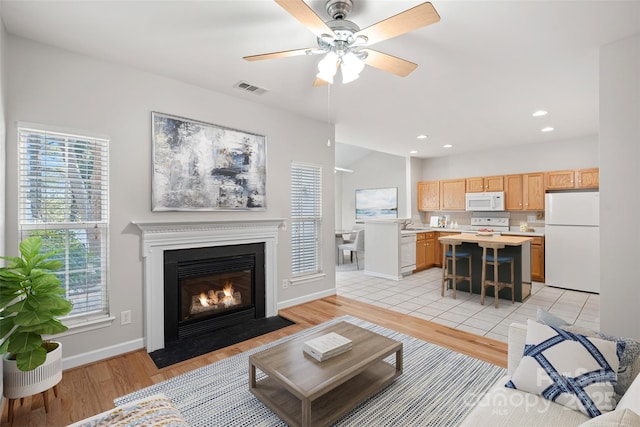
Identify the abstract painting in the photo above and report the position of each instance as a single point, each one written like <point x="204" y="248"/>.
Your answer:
<point x="202" y="166"/>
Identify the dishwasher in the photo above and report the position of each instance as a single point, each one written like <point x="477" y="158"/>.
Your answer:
<point x="407" y="253"/>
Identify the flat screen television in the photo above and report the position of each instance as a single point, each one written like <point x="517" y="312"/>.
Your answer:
<point x="377" y="203"/>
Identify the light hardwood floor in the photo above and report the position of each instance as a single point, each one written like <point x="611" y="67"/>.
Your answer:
<point x="90" y="389"/>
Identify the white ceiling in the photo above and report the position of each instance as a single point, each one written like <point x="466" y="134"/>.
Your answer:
<point x="483" y="69"/>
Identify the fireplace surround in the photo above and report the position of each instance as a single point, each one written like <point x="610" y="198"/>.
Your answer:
<point x="158" y="237"/>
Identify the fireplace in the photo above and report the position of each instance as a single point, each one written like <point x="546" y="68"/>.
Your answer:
<point x="210" y="288"/>
<point x="158" y="237"/>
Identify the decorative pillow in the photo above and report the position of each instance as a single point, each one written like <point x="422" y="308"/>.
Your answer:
<point x="617" y="418"/>
<point x="546" y="318"/>
<point x="154" y="410"/>
<point x="629" y="359"/>
<point x="571" y="370"/>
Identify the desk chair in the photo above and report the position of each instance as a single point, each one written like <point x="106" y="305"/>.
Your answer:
<point x="356" y="246"/>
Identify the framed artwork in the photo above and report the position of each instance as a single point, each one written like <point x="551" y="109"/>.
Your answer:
<point x="200" y="166"/>
<point x="377" y="203"/>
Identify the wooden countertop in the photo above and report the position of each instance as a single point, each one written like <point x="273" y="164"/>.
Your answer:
<point x="475" y="238"/>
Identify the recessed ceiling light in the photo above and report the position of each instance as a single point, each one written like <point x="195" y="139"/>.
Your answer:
<point x="547" y="129"/>
<point x="413" y="152"/>
<point x="422" y="136"/>
<point x="539" y="113"/>
<point x="447" y="146"/>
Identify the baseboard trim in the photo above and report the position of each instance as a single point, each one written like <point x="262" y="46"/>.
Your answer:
<point x="101" y="354"/>
<point x="306" y="298"/>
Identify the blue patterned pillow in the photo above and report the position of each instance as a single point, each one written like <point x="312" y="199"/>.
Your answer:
<point x="629" y="359"/>
<point x="569" y="369"/>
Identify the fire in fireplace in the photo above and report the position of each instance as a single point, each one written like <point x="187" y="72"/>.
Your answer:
<point x="206" y="289"/>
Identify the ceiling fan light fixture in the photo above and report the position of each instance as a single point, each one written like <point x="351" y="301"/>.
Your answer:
<point x="351" y="67"/>
<point x="327" y="67"/>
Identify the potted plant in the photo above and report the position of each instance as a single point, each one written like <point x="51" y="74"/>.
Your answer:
<point x="31" y="300"/>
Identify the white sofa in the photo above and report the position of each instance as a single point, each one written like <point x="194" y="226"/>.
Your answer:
<point x="503" y="406"/>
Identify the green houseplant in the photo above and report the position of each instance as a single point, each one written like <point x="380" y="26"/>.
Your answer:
<point x="31" y="300"/>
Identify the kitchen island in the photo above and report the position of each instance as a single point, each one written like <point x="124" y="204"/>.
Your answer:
<point x="512" y="247"/>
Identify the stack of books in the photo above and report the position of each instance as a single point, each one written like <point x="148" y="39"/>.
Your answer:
<point x="327" y="346"/>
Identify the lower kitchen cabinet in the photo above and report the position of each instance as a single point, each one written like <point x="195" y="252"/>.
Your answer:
<point x="425" y="250"/>
<point x="537" y="259"/>
<point x="430" y="243"/>
<point x="421" y="252"/>
<point x="439" y="253"/>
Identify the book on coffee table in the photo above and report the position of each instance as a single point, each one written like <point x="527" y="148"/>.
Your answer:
<point x="327" y="346"/>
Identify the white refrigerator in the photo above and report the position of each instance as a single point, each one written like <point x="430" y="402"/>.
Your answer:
<point x="572" y="240"/>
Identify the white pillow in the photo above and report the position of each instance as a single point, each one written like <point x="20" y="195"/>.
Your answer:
<point x="569" y="369"/>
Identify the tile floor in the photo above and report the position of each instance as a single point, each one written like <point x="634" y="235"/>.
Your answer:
<point x="419" y="295"/>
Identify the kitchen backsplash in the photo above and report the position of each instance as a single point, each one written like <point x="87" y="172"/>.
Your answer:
<point x="464" y="218"/>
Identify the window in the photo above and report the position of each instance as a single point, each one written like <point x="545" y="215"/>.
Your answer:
<point x="306" y="218"/>
<point x="63" y="196"/>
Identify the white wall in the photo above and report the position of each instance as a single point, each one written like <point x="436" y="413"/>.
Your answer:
<point x="554" y="155"/>
<point x="619" y="181"/>
<point x="376" y="170"/>
<point x="54" y="87"/>
<point x="3" y="91"/>
<point x="338" y="199"/>
<point x="3" y="131"/>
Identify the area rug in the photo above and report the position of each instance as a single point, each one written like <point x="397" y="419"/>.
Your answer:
<point x="438" y="387"/>
<point x="179" y="351"/>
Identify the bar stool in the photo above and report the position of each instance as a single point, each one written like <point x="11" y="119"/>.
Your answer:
<point x="453" y="255"/>
<point x="496" y="260"/>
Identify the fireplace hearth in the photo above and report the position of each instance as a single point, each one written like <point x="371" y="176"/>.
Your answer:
<point x="206" y="289"/>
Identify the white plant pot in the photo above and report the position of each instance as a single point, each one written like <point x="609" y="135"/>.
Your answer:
<point x="19" y="383"/>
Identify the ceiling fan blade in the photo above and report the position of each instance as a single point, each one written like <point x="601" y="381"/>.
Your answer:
<point x="389" y="63"/>
<point x="404" y="22"/>
<point x="319" y="82"/>
<point x="283" y="54"/>
<point x="303" y="13"/>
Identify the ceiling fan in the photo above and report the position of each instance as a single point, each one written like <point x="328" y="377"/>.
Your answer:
<point x="345" y="45"/>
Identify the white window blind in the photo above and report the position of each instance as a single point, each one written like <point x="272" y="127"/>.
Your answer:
<point x="306" y="218"/>
<point x="64" y="197"/>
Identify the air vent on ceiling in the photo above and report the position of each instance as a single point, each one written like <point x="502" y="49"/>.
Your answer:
<point x="248" y="87"/>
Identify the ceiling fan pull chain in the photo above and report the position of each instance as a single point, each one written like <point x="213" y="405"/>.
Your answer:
<point x="328" y="115"/>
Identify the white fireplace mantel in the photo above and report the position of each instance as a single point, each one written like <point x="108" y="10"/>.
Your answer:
<point x="160" y="236"/>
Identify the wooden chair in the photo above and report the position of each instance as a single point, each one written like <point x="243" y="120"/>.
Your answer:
<point x="356" y="246"/>
<point x="452" y="275"/>
<point x="496" y="260"/>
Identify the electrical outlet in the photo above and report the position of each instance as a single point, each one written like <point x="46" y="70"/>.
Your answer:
<point x="531" y="218"/>
<point x="125" y="317"/>
<point x="285" y="284"/>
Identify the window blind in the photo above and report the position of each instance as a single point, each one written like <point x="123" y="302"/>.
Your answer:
<point x="64" y="198"/>
<point x="306" y="218"/>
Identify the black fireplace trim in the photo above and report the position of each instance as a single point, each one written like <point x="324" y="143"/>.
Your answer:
<point x="187" y="261"/>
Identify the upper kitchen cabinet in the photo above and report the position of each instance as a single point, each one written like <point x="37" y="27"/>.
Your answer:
<point x="569" y="179"/>
<point x="428" y="195"/>
<point x="452" y="193"/>
<point x="588" y="178"/>
<point x="486" y="183"/>
<point x="524" y="192"/>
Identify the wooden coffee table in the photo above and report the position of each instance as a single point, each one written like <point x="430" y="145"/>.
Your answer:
<point x="305" y="392"/>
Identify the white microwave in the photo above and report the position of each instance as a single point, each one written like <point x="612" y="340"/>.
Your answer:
<point x="489" y="201"/>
